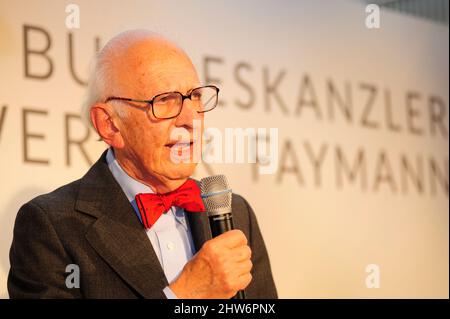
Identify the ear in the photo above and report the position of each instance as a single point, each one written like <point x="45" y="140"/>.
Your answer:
<point x="102" y="117"/>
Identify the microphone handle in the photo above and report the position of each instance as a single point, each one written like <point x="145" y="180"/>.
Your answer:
<point x="220" y="224"/>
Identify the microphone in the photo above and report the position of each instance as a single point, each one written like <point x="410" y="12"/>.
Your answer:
<point x="216" y="195"/>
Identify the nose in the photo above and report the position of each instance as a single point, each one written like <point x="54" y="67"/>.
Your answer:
<point x="188" y="115"/>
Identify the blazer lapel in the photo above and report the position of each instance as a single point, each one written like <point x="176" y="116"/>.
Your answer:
<point x="117" y="235"/>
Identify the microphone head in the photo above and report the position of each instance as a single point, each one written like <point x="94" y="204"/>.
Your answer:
<point x="216" y="195"/>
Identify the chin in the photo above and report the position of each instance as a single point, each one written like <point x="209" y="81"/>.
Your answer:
<point x="179" y="171"/>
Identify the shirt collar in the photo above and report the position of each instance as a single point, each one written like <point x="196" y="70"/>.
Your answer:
<point x="131" y="187"/>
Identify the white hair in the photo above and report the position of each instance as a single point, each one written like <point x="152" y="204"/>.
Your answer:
<point x="101" y="80"/>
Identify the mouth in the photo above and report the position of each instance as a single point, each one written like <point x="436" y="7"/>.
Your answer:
<point x="180" y="150"/>
<point x="180" y="144"/>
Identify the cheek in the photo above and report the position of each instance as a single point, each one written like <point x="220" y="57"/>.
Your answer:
<point x="154" y="141"/>
<point x="148" y="138"/>
<point x="137" y="135"/>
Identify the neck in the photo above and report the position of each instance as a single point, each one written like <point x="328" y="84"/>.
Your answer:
<point x="158" y="183"/>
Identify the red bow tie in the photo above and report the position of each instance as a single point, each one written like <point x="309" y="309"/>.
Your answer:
<point x="152" y="206"/>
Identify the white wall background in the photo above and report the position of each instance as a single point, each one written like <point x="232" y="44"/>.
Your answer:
<point x="320" y="236"/>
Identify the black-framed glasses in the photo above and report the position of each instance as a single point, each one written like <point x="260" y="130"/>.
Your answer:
<point x="169" y="105"/>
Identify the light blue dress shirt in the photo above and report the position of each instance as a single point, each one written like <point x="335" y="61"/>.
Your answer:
<point x="170" y="236"/>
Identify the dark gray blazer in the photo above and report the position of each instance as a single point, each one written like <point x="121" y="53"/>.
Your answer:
<point x="91" y="223"/>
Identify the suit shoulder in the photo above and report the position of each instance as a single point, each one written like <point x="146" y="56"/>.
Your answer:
<point x="59" y="200"/>
<point x="243" y="214"/>
<point x="239" y="202"/>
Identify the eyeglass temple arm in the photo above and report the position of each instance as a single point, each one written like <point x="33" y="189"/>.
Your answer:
<point x="125" y="99"/>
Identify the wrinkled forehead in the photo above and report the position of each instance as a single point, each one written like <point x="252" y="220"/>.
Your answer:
<point x="153" y="66"/>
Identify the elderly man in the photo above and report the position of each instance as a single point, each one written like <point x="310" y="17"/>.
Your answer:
<point x="99" y="230"/>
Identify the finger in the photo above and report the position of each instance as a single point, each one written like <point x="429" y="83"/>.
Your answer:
<point x="234" y="238"/>
<point x="243" y="268"/>
<point x="241" y="253"/>
<point x="244" y="281"/>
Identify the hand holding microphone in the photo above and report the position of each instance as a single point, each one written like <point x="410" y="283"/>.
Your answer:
<point x="221" y="268"/>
